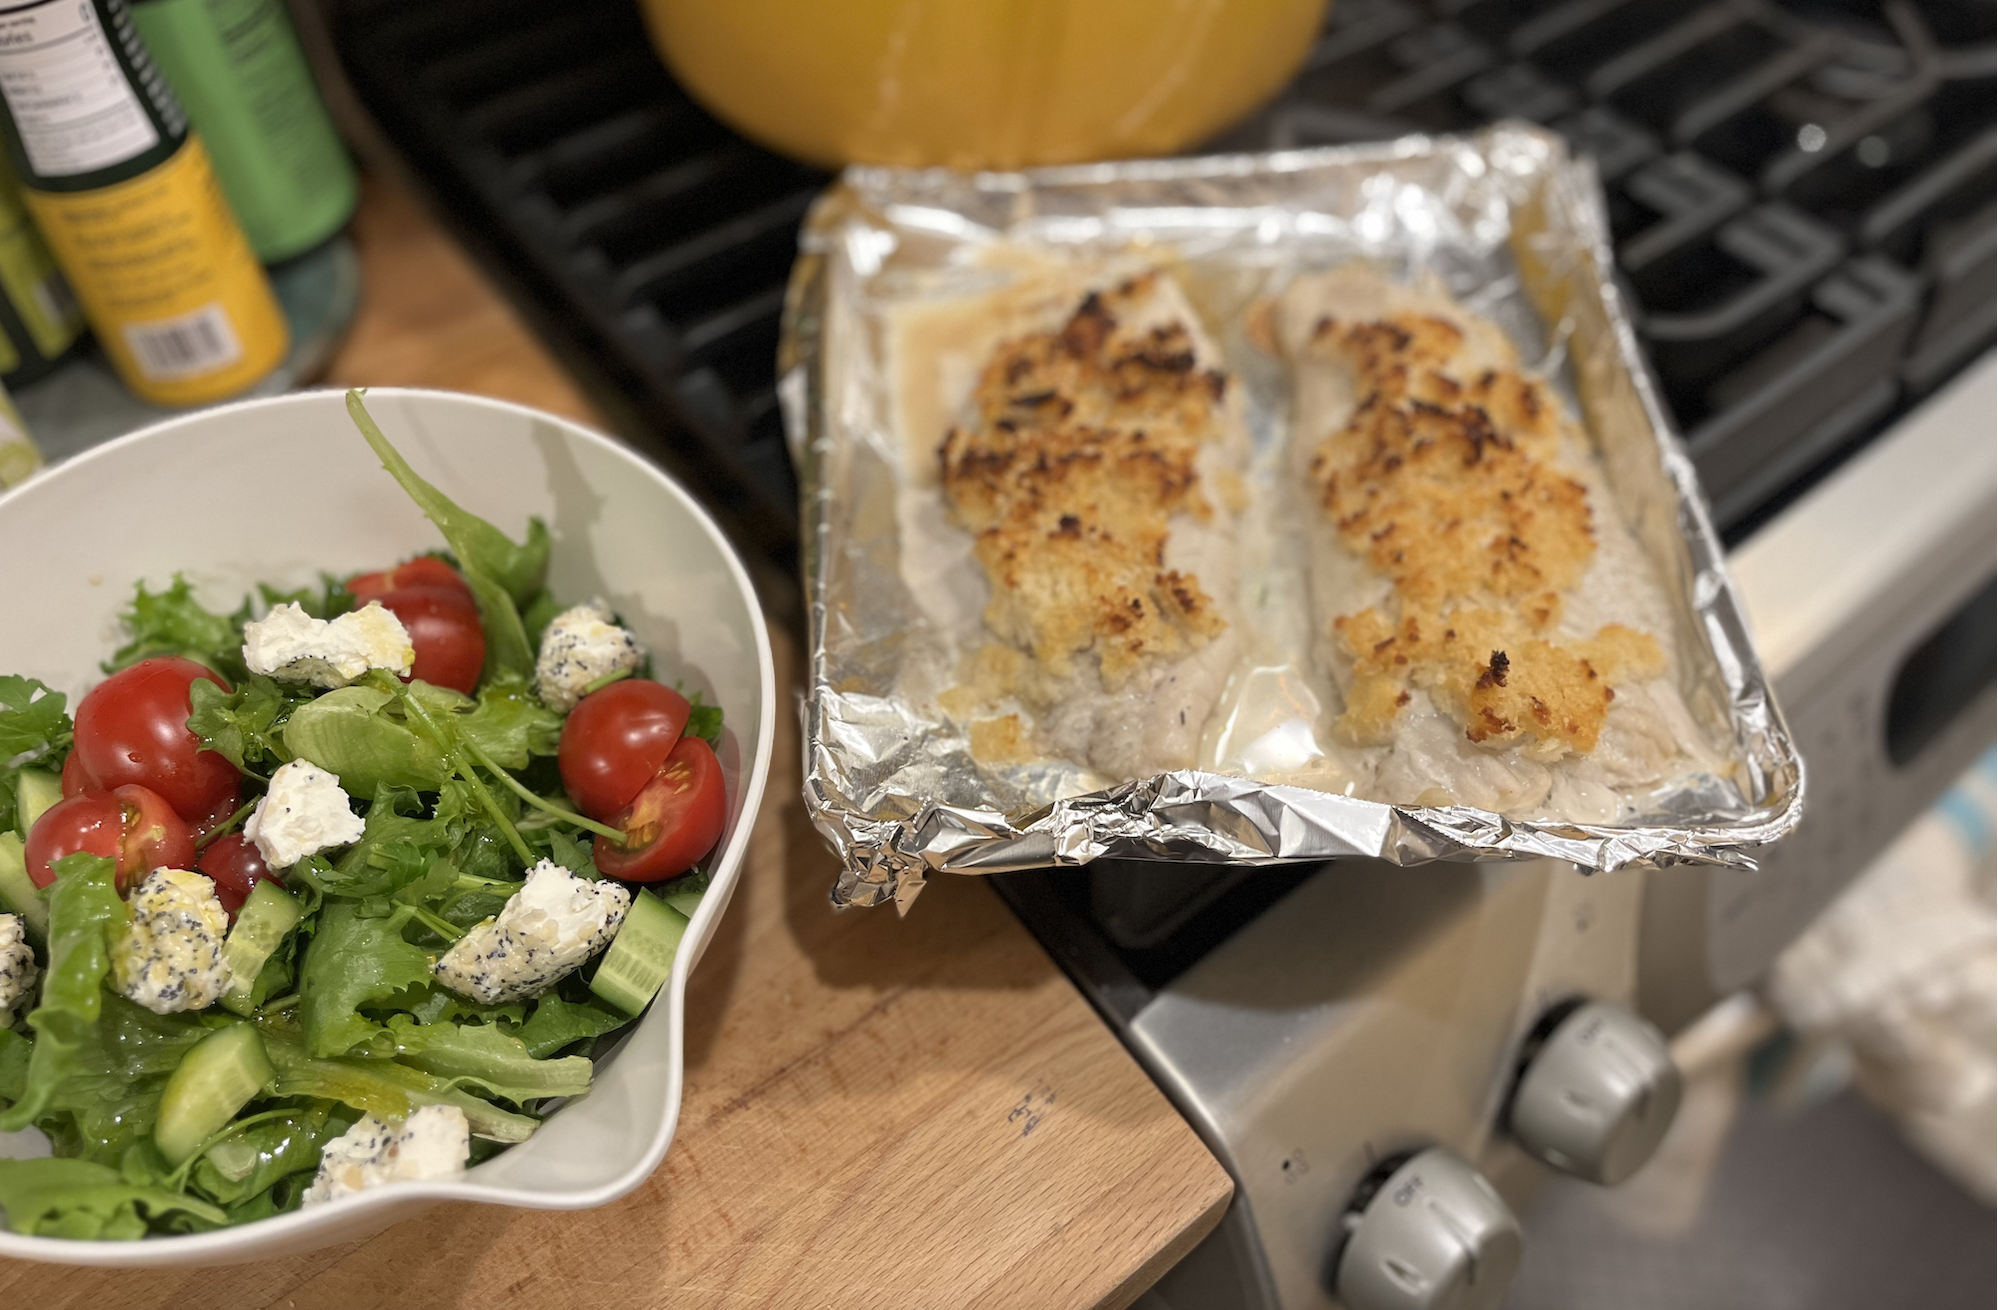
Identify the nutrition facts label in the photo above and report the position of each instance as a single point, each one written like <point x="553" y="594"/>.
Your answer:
<point x="75" y="110"/>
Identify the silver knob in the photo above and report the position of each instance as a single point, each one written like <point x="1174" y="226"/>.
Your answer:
<point x="1433" y="1236"/>
<point x="1599" y="1095"/>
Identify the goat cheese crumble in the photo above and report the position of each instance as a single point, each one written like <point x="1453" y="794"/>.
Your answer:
<point x="432" y="1143"/>
<point x="17" y="965"/>
<point x="581" y="646"/>
<point x="170" y="957"/>
<point x="304" y="812"/>
<point x="291" y="645"/>
<point x="546" y="930"/>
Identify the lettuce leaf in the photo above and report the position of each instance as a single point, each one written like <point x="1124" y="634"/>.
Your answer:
<point x="351" y="733"/>
<point x="387" y="1089"/>
<point x="110" y="1101"/>
<point x="484" y="1055"/>
<point x="34" y="733"/>
<point x="239" y="1168"/>
<point x="15" y="1051"/>
<point x="88" y="1201"/>
<point x="173" y="622"/>
<point x="510" y="724"/>
<point x="503" y="574"/>
<point x="84" y="914"/>
<point x="558" y="1022"/>
<point x="353" y="960"/>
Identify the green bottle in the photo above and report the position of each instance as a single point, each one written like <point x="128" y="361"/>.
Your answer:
<point x="39" y="319"/>
<point x="237" y="67"/>
<point x="18" y="456"/>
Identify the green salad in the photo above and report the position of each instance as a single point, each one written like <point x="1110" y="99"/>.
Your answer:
<point x="335" y="891"/>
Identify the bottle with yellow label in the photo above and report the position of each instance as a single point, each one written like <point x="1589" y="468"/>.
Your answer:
<point x="129" y="203"/>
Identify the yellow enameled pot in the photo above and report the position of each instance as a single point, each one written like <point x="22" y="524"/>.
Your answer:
<point x="981" y="83"/>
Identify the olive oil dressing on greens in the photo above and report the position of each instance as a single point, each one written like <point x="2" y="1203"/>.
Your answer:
<point x="334" y="1008"/>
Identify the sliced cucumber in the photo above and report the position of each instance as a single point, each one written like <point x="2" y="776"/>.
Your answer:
<point x="215" y="1080"/>
<point x="17" y="890"/>
<point x="685" y="902"/>
<point x="268" y="913"/>
<point x="35" y="790"/>
<point x="635" y="967"/>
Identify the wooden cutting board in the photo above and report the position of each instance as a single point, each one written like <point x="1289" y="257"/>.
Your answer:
<point x="879" y="1112"/>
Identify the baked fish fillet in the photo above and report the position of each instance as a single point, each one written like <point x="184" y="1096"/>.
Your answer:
<point x="1094" y="468"/>
<point x="1498" y="636"/>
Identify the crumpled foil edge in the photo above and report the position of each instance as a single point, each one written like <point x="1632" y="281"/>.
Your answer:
<point x="1198" y="817"/>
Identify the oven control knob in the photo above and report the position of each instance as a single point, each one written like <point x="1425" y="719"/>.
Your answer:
<point x="1597" y="1096"/>
<point x="1430" y="1235"/>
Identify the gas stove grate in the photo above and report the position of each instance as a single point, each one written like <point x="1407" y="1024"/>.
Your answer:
<point x="647" y="243"/>
<point x="1801" y="194"/>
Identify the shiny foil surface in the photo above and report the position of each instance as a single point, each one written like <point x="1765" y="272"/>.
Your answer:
<point x="1514" y="228"/>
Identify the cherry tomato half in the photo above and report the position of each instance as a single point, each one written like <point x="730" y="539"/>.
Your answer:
<point x="224" y="810"/>
<point x="675" y="819"/>
<point x="443" y="626"/>
<point x="132" y="728"/>
<point x="75" y="781"/>
<point x="131" y="825"/>
<point x="423" y="571"/>
<point x="236" y="866"/>
<point x="615" y="740"/>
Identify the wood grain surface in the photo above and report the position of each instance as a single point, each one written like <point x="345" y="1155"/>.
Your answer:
<point x="879" y="1112"/>
<point x="428" y="318"/>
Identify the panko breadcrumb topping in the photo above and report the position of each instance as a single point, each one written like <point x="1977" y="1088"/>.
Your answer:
<point x="1444" y="480"/>
<point x="1085" y="450"/>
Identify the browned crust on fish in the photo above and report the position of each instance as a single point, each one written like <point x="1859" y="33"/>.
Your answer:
<point x="1446" y="483"/>
<point x="1085" y="450"/>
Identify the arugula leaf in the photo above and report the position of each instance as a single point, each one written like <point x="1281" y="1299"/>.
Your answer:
<point x="34" y="732"/>
<point x="330" y="600"/>
<point x="353" y="960"/>
<point x="484" y="1055"/>
<point x="473" y="908"/>
<point x="397" y="848"/>
<point x="349" y="732"/>
<point x="538" y="612"/>
<point x="703" y="721"/>
<point x="684" y="892"/>
<point x="558" y="1022"/>
<point x="571" y="854"/>
<point x="173" y="622"/>
<point x="246" y="726"/>
<point x="85" y="1200"/>
<point x="481" y="851"/>
<point x="84" y="913"/>
<point x="386" y="1088"/>
<point x="502" y="573"/>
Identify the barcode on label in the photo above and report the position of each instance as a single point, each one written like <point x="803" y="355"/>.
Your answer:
<point x="168" y="349"/>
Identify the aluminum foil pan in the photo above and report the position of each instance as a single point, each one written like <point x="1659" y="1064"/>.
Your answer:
<point x="1506" y="220"/>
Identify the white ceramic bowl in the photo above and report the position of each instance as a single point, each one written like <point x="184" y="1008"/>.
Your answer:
<point x="277" y="490"/>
